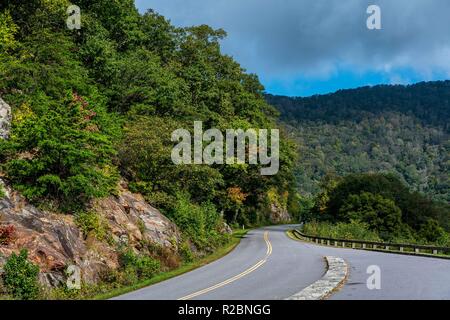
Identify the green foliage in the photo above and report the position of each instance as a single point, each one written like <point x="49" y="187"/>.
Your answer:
<point x="398" y="129"/>
<point x="120" y="18"/>
<point x="145" y="155"/>
<point x="7" y="32"/>
<point x="70" y="161"/>
<point x="90" y="223"/>
<point x="20" y="277"/>
<point x="381" y="215"/>
<point x="416" y="208"/>
<point x="200" y="223"/>
<point x="386" y="205"/>
<point x="141" y="83"/>
<point x="140" y="266"/>
<point x="306" y="204"/>
<point x="74" y="93"/>
<point x="353" y="230"/>
<point x="186" y="252"/>
<point x="432" y="232"/>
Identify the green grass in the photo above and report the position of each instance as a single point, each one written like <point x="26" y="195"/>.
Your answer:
<point x="221" y="252"/>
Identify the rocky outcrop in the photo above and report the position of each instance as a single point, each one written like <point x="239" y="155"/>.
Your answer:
<point x="225" y="229"/>
<point x="54" y="241"/>
<point x="279" y="214"/>
<point x="133" y="221"/>
<point x="5" y="119"/>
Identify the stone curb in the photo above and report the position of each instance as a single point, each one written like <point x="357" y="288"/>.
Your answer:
<point x="336" y="275"/>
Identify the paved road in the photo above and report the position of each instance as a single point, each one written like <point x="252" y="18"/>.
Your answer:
<point x="402" y="276"/>
<point x="267" y="265"/>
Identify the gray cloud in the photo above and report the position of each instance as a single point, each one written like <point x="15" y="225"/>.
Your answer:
<point x="287" y="38"/>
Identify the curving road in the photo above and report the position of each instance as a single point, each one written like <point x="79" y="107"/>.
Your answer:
<point x="268" y="265"/>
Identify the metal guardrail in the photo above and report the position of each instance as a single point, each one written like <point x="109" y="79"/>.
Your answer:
<point x="378" y="246"/>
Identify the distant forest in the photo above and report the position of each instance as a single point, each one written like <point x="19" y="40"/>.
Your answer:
<point x="390" y="129"/>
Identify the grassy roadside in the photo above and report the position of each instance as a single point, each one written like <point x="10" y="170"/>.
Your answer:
<point x="221" y="252"/>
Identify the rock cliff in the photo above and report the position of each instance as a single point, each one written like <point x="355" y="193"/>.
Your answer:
<point x="55" y="242"/>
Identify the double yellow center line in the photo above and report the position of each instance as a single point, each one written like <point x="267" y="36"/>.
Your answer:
<point x="269" y="245"/>
<point x="237" y="277"/>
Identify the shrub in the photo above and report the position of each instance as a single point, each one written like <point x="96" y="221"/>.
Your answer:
<point x="2" y="192"/>
<point x="380" y="214"/>
<point x="145" y="156"/>
<point x="416" y="208"/>
<point x="90" y="223"/>
<point x="432" y="232"/>
<point x="7" y="235"/>
<point x="168" y="257"/>
<point x="21" y="277"/>
<point x="69" y="152"/>
<point x="354" y="230"/>
<point x="186" y="252"/>
<point x="143" y="267"/>
<point x="200" y="223"/>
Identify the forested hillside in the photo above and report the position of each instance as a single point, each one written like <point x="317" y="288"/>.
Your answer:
<point x="394" y="129"/>
<point x="95" y="105"/>
<point x="90" y="142"/>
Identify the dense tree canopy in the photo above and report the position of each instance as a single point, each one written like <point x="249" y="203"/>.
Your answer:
<point x="397" y="129"/>
<point x="99" y="102"/>
<point x="382" y="202"/>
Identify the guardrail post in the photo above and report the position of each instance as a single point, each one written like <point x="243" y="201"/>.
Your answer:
<point x="432" y="250"/>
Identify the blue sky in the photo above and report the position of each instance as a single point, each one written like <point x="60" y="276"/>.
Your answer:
<point x="306" y="47"/>
<point x="342" y="79"/>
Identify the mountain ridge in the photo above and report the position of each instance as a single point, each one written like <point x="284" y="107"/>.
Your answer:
<point x="426" y="93"/>
<point x="398" y="129"/>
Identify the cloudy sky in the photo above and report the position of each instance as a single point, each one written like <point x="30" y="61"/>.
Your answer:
<point x="305" y="47"/>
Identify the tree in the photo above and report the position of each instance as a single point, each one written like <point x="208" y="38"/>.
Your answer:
<point x="381" y="201"/>
<point x="76" y="92"/>
<point x="381" y="214"/>
<point x="64" y="155"/>
<point x="432" y="232"/>
<point x="8" y="30"/>
<point x="236" y="198"/>
<point x="321" y="203"/>
<point x="145" y="154"/>
<point x="396" y="129"/>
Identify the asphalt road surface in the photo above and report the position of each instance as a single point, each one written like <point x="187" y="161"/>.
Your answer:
<point x="268" y="265"/>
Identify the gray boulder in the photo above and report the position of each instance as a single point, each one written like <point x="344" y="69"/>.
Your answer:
<point x="5" y="119"/>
